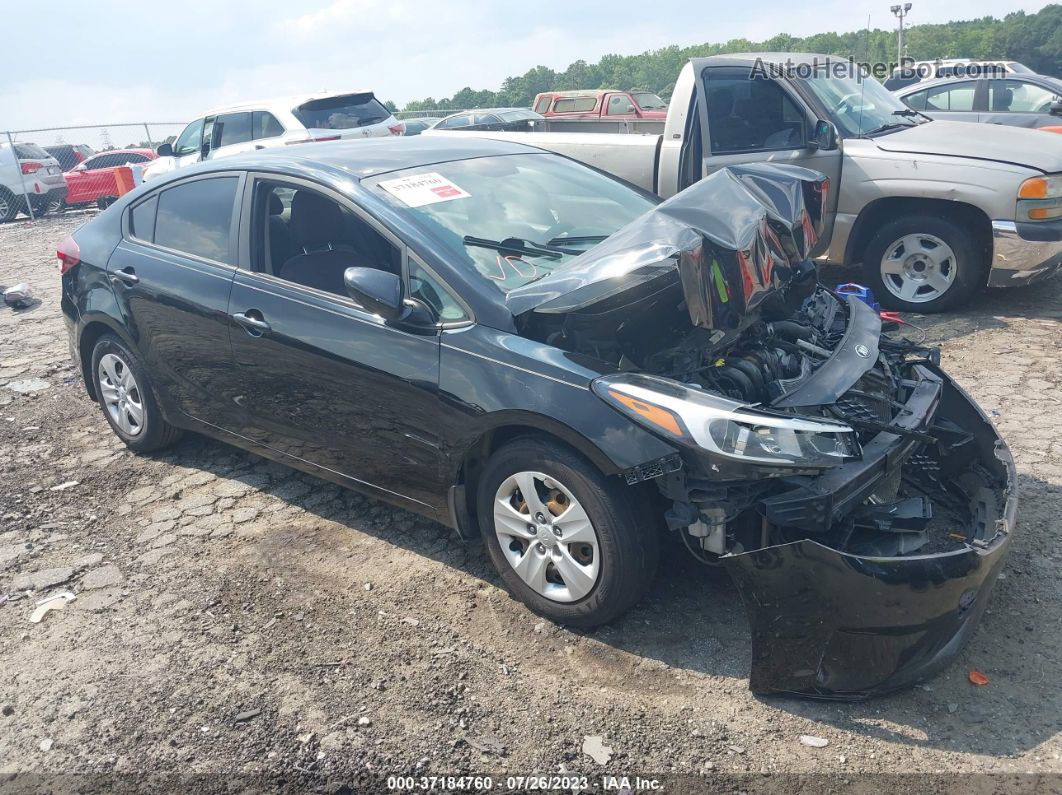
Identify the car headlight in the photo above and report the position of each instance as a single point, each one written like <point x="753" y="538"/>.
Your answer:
<point x="725" y="427"/>
<point x="1040" y="198"/>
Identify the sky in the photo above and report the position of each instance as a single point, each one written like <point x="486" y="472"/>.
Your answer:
<point x="111" y="64"/>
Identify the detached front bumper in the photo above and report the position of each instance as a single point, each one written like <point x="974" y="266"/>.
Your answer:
<point x="835" y="625"/>
<point x="1024" y="253"/>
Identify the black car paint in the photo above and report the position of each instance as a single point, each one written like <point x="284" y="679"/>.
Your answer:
<point x="828" y="624"/>
<point x="416" y="429"/>
<point x="424" y="416"/>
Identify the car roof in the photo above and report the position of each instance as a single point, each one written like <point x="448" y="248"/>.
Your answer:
<point x="366" y="157"/>
<point x="285" y="102"/>
<point x="1041" y="80"/>
<point x="777" y="58"/>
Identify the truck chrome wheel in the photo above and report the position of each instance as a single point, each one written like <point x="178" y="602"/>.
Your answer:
<point x="918" y="268"/>
<point x="546" y="536"/>
<point x="120" y="394"/>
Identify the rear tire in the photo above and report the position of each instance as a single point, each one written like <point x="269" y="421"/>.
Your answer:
<point x="127" y="397"/>
<point x="920" y="263"/>
<point x="619" y="551"/>
<point x="9" y="206"/>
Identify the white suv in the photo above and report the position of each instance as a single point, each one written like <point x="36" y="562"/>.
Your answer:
<point x="29" y="169"/>
<point x="276" y="122"/>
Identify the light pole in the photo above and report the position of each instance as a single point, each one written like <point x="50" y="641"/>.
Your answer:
<point x="901" y="12"/>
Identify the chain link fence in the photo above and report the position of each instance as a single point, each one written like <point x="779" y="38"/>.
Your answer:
<point x="56" y="169"/>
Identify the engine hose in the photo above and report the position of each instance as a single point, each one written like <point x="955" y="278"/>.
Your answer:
<point x="790" y="329"/>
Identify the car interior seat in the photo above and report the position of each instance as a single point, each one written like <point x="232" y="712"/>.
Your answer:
<point x="323" y="253"/>
<point x="281" y="241"/>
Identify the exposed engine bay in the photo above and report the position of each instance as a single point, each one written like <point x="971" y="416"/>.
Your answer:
<point x="774" y="364"/>
<point x="859" y="499"/>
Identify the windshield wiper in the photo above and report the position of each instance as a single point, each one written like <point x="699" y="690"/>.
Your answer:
<point x="892" y="125"/>
<point x="910" y="113"/>
<point x="577" y="239"/>
<point x="520" y="247"/>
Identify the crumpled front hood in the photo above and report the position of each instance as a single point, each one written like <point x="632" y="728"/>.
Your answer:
<point x="1031" y="148"/>
<point x="733" y="239"/>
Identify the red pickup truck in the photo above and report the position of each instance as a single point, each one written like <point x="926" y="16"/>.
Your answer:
<point x="601" y="104"/>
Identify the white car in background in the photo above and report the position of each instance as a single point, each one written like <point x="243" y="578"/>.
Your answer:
<point x="276" y="122"/>
<point x="25" y="170"/>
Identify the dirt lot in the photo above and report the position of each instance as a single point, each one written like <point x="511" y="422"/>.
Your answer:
<point x="359" y="641"/>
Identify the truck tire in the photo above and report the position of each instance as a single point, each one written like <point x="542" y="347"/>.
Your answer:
<point x="581" y="551"/>
<point x="920" y="263"/>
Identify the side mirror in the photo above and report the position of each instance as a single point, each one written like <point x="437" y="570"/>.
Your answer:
<point x="164" y="150"/>
<point x="378" y="291"/>
<point x="824" y="137"/>
<point x="1056" y="107"/>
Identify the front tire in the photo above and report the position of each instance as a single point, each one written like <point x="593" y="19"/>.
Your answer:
<point x="574" y="546"/>
<point x="126" y="395"/>
<point x="919" y="263"/>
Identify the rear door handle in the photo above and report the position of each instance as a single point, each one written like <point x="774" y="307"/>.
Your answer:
<point x="255" y="326"/>
<point x="127" y="275"/>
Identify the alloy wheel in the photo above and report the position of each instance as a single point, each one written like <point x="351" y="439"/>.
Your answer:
<point x="120" y="394"/>
<point x="918" y="268"/>
<point x="546" y="536"/>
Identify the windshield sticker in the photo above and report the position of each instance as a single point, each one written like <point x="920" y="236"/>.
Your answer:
<point x="423" y="189"/>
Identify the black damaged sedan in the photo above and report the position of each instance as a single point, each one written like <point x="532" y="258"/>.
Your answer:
<point x="531" y="351"/>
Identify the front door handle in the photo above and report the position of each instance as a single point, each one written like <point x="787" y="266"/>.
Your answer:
<point x="255" y="326"/>
<point x="127" y="275"/>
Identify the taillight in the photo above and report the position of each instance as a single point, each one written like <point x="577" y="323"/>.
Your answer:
<point x="313" y="140"/>
<point x="69" y="254"/>
<point x="398" y="129"/>
<point x="31" y="168"/>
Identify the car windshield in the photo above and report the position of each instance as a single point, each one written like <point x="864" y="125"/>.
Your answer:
<point x="648" y="101"/>
<point x="513" y="218"/>
<point x="859" y="107"/>
<point x="341" y="113"/>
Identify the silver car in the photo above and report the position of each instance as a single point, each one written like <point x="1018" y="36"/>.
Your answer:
<point x="1017" y="100"/>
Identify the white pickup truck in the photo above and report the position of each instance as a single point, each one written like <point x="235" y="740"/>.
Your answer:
<point x="934" y="210"/>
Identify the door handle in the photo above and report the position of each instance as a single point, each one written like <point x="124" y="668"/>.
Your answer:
<point x="255" y="326"/>
<point x="127" y="275"/>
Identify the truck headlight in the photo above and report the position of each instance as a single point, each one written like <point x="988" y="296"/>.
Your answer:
<point x="1040" y="199"/>
<point x="725" y="427"/>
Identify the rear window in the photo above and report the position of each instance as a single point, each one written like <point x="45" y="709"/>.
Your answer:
<point x="30" y="152"/>
<point x="543" y="104"/>
<point x="341" y="113"/>
<point x="574" y="104"/>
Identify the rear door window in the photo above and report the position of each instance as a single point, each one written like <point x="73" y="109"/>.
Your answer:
<point x="341" y="113"/>
<point x="265" y="125"/>
<point x="196" y="218"/>
<point x="232" y="128"/>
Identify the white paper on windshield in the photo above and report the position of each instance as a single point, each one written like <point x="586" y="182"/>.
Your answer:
<point x="423" y="189"/>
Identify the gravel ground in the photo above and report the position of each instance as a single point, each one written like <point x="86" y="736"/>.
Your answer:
<point x="236" y="618"/>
